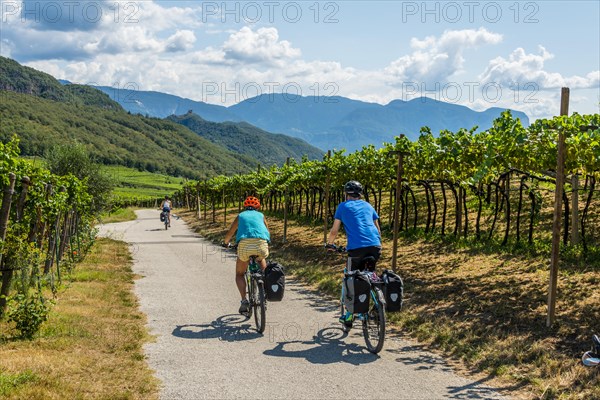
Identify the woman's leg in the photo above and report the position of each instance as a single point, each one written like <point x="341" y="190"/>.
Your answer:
<point x="240" y="279"/>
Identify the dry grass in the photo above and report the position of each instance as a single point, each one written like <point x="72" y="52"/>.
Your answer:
<point x="91" y="346"/>
<point x="481" y="307"/>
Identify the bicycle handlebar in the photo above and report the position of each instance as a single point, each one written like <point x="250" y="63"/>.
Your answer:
<point x="333" y="247"/>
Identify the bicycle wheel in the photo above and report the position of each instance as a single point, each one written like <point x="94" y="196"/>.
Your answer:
<point x="374" y="324"/>
<point x="166" y="222"/>
<point x="260" y="306"/>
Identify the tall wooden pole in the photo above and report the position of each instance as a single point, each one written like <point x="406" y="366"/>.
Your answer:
<point x="399" y="171"/>
<point x="285" y="206"/>
<point x="560" y="178"/>
<point x="4" y="219"/>
<point x="326" y="204"/>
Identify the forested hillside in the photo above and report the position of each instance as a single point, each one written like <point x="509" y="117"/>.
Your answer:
<point x="249" y="140"/>
<point x="20" y="79"/>
<point x="114" y="137"/>
<point x="43" y="112"/>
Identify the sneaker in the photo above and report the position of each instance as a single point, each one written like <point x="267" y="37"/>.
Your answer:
<point x="347" y="319"/>
<point x="244" y="306"/>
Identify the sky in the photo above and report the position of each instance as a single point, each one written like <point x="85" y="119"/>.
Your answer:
<point x="481" y="54"/>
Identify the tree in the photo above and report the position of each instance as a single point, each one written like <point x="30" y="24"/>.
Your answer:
<point x="75" y="159"/>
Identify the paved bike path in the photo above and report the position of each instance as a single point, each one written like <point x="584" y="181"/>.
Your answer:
<point x="205" y="350"/>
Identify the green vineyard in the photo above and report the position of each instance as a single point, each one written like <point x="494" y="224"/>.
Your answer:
<point x="496" y="184"/>
<point x="46" y="225"/>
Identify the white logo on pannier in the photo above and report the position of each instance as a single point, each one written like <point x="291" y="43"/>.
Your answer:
<point x="394" y="296"/>
<point x="275" y="288"/>
<point x="362" y="298"/>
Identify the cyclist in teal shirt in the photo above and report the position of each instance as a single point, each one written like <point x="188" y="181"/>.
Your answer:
<point x="252" y="239"/>
<point x="361" y="224"/>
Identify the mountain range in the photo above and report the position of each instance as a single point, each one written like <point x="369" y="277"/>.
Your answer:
<point x="324" y="122"/>
<point x="44" y="112"/>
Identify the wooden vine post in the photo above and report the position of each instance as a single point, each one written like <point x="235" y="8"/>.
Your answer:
<point x="4" y="215"/>
<point x="399" y="172"/>
<point x="326" y="205"/>
<point x="285" y="206"/>
<point x="560" y="177"/>
<point x="224" y="209"/>
<point x="575" y="209"/>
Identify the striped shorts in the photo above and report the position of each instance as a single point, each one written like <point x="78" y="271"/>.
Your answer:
<point x="253" y="247"/>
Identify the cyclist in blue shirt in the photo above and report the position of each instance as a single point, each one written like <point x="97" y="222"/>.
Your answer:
<point x="361" y="224"/>
<point x="253" y="239"/>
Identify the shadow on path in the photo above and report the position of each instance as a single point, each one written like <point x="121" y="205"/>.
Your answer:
<point x="478" y="390"/>
<point x="316" y="300"/>
<point x="327" y="347"/>
<point x="418" y="357"/>
<point x="229" y="328"/>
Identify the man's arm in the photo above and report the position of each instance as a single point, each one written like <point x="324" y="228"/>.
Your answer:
<point x="376" y="222"/>
<point x="231" y="230"/>
<point x="334" y="231"/>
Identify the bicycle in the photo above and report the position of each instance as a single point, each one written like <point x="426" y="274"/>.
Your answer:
<point x="373" y="321"/>
<point x="592" y="358"/>
<point x="255" y="289"/>
<point x="164" y="216"/>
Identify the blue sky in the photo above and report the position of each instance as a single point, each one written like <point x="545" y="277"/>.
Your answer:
<point x="481" y="54"/>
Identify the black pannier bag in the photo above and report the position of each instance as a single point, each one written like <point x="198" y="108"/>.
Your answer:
<point x="357" y="293"/>
<point x="274" y="281"/>
<point x="393" y="290"/>
<point x="162" y="216"/>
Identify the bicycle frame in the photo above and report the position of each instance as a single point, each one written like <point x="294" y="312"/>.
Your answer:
<point x="258" y="302"/>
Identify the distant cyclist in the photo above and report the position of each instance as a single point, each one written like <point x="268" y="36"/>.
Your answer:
<point x="361" y="224"/>
<point x="166" y="206"/>
<point x="252" y="239"/>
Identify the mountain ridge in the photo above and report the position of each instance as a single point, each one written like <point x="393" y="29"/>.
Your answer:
<point x="44" y="112"/>
<point x="329" y="122"/>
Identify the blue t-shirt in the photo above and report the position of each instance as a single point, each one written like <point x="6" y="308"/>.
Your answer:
<point x="251" y="225"/>
<point x="358" y="217"/>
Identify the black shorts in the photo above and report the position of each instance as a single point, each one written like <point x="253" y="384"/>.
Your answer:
<point x="356" y="257"/>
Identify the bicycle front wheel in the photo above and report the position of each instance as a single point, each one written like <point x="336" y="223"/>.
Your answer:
<point x="260" y="306"/>
<point x="374" y="325"/>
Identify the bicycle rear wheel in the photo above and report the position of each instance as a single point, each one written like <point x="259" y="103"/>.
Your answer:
<point x="259" y="305"/>
<point x="374" y="325"/>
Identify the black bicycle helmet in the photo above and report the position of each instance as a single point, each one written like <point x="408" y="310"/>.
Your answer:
<point x="353" y="188"/>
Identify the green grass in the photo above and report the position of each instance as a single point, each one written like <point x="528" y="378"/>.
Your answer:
<point x="9" y="382"/>
<point x="120" y="215"/>
<point x="130" y="183"/>
<point x="91" y="347"/>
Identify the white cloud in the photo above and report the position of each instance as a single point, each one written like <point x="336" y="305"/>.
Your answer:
<point x="180" y="41"/>
<point x="437" y="59"/>
<point x="262" y="45"/>
<point x="110" y="27"/>
<point x="154" y="47"/>
<point x="523" y="68"/>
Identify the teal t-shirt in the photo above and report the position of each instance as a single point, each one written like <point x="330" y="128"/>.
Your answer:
<point x="251" y="225"/>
